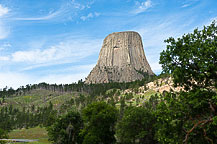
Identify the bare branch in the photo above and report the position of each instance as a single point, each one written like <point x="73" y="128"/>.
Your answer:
<point x="203" y="122"/>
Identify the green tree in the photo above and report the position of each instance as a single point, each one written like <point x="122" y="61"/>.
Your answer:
<point x="122" y="106"/>
<point x="186" y="117"/>
<point x="99" y="119"/>
<point x="190" y="116"/>
<point x="136" y="126"/>
<point x="192" y="59"/>
<point x="66" y="129"/>
<point x="51" y="118"/>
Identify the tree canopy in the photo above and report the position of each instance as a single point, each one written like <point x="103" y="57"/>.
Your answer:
<point x="137" y="124"/>
<point x="100" y="120"/>
<point x="192" y="59"/>
<point x="66" y="129"/>
<point x="190" y="116"/>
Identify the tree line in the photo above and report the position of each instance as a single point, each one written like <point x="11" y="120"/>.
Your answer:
<point x="80" y="86"/>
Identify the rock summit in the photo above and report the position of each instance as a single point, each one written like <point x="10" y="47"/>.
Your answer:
<point x="121" y="59"/>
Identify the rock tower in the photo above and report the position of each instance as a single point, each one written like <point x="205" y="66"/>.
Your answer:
<point x="121" y="59"/>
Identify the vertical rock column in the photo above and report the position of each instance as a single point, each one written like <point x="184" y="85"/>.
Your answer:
<point x="121" y="59"/>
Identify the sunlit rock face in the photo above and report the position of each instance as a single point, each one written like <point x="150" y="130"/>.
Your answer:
<point x="121" y="59"/>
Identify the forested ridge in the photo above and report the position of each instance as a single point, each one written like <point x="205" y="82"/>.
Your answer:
<point x="103" y="114"/>
<point x="80" y="86"/>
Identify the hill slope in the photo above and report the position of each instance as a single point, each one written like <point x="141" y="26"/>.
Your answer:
<point x="134" y="95"/>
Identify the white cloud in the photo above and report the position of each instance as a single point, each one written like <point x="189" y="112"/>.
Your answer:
<point x="71" y="50"/>
<point x="35" y="56"/>
<point x="77" y="68"/>
<point x="5" y="46"/>
<point x="185" y="5"/>
<point x="67" y="75"/>
<point x="3" y="10"/>
<point x="66" y="11"/>
<point x="90" y="15"/>
<point x="14" y="80"/>
<point x="62" y="78"/>
<point x="68" y="51"/>
<point x="97" y="14"/>
<point x="81" y="6"/>
<point x="47" y="17"/>
<point x="188" y="3"/>
<point x="4" y="31"/>
<point x="142" y="7"/>
<point x="4" y="58"/>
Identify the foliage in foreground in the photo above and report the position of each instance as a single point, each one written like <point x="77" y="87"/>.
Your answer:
<point x="190" y="116"/>
<point x="66" y="129"/>
<point x="99" y="121"/>
<point x="186" y="118"/>
<point x="98" y="126"/>
<point x="137" y="125"/>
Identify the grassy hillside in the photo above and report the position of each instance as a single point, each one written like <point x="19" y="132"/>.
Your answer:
<point x="136" y="95"/>
<point x="39" y="98"/>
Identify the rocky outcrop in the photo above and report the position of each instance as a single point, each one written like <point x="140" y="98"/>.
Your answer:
<point x="121" y="59"/>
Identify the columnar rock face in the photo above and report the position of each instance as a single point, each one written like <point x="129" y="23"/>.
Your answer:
<point x="121" y="59"/>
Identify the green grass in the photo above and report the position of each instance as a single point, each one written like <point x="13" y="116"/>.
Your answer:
<point x="142" y="98"/>
<point x="31" y="133"/>
<point x="39" y="98"/>
<point x="149" y="93"/>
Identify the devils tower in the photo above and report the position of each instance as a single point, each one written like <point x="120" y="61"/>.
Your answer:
<point x="121" y="59"/>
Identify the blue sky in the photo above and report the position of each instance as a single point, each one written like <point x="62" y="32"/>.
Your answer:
<point x="58" y="41"/>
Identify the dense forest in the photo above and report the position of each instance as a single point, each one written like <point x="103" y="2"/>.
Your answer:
<point x="188" y="116"/>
